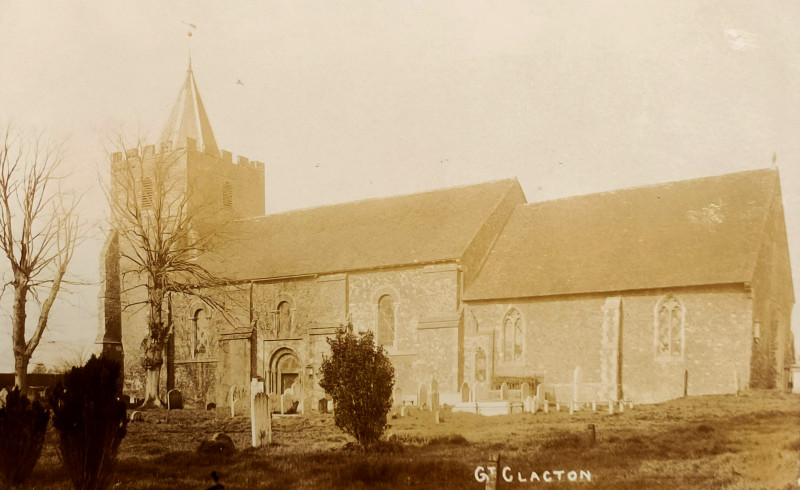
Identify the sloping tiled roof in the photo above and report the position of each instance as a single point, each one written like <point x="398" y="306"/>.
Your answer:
<point x="188" y="119"/>
<point x="694" y="232"/>
<point x="416" y="228"/>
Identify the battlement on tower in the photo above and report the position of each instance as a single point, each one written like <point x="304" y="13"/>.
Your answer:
<point x="190" y="145"/>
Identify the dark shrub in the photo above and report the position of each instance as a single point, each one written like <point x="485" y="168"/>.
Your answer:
<point x="22" y="428"/>
<point x="90" y="421"/>
<point x="359" y="377"/>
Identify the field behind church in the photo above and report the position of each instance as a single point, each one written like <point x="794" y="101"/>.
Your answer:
<point x="750" y="441"/>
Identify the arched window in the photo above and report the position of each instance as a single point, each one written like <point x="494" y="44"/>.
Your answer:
<point x="513" y="332"/>
<point x="386" y="324"/>
<point x="669" y="327"/>
<point x="284" y="319"/>
<point x="147" y="193"/>
<point x="199" y="333"/>
<point x="227" y="195"/>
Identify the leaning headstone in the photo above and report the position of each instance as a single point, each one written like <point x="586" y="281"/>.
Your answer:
<point x="260" y="420"/>
<point x="465" y="393"/>
<point x="504" y="391"/>
<point x="174" y="400"/>
<point x="211" y="406"/>
<point x="136" y="416"/>
<point x="322" y="405"/>
<point x="422" y="396"/>
<point x="434" y="401"/>
<point x="526" y="390"/>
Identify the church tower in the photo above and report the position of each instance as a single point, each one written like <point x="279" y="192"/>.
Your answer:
<point x="184" y="170"/>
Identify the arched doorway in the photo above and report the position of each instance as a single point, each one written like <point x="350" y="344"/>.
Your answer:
<point x="285" y="369"/>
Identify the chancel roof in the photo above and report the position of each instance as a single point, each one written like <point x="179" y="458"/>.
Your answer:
<point x="188" y="119"/>
<point x="375" y="233"/>
<point x="693" y="232"/>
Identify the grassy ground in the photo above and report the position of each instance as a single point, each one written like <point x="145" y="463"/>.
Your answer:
<point x="751" y="441"/>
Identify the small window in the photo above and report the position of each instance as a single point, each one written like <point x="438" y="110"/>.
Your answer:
<point x="147" y="193"/>
<point x="199" y="345"/>
<point x="669" y="327"/>
<point x="386" y="326"/>
<point x="512" y="336"/>
<point x="227" y="195"/>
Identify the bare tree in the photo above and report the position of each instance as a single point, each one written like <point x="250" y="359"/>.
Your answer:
<point x="39" y="230"/>
<point x="162" y="230"/>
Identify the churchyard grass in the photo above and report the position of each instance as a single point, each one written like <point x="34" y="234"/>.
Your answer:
<point x="750" y="441"/>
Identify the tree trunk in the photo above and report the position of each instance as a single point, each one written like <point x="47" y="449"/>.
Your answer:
<point x="21" y="372"/>
<point x="19" y="315"/>
<point x="152" y="381"/>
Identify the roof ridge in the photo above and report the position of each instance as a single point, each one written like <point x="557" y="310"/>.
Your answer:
<point x="647" y="186"/>
<point x="368" y="199"/>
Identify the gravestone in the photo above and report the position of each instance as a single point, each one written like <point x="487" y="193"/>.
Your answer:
<point x="286" y="401"/>
<point x="630" y="404"/>
<point x="422" y="396"/>
<point x="526" y="390"/>
<point x="225" y="442"/>
<point x="465" y="393"/>
<point x="528" y="407"/>
<point x="621" y="406"/>
<point x="539" y="393"/>
<point x="211" y="406"/>
<point x="397" y="397"/>
<point x="435" y="401"/>
<point x="438" y="416"/>
<point x="260" y="420"/>
<point x="434" y="385"/>
<point x="136" y="416"/>
<point x="480" y="392"/>
<point x="403" y="411"/>
<point x="594" y="405"/>
<point x="546" y="406"/>
<point x="322" y="405"/>
<point x="174" y="400"/>
<point x="610" y="407"/>
<point x="504" y="391"/>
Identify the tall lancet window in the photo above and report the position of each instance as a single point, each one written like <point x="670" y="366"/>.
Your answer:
<point x="669" y="327"/>
<point x="513" y="332"/>
<point x="386" y="326"/>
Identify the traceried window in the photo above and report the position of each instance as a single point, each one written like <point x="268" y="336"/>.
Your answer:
<point x="513" y="332"/>
<point x="386" y="326"/>
<point x="284" y="319"/>
<point x="227" y="195"/>
<point x="669" y="327"/>
<point x="147" y="193"/>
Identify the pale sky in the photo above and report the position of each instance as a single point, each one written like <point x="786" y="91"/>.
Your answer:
<point x="349" y="100"/>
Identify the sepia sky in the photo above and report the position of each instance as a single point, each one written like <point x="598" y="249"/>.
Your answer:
<point x="356" y="99"/>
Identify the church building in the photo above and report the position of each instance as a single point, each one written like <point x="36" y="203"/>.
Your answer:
<point x="643" y="294"/>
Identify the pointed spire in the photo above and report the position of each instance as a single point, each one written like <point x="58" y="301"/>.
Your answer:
<point x="188" y="119"/>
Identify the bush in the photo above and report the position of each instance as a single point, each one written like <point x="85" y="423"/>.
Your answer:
<point x="359" y="377"/>
<point x="90" y="421"/>
<point x="22" y="428"/>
